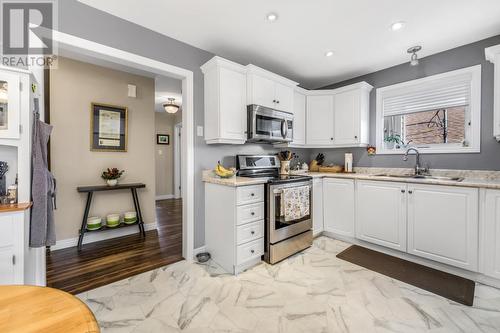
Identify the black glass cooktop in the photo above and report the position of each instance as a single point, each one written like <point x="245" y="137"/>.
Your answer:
<point x="288" y="178"/>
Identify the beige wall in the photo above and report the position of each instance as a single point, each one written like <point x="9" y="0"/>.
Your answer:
<point x="74" y="86"/>
<point x="164" y="124"/>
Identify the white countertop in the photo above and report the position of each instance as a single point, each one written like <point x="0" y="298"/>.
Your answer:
<point x="481" y="179"/>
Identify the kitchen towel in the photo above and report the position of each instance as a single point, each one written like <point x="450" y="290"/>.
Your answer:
<point x="295" y="203"/>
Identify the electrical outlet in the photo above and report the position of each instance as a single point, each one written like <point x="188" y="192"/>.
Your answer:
<point x="199" y="130"/>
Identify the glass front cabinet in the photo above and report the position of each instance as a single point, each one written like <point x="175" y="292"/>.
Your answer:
<point x="10" y="99"/>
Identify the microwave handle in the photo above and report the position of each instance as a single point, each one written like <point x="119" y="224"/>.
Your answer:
<point x="284" y="128"/>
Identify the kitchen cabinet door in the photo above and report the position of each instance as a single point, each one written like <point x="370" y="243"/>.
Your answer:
<point x="299" y="119"/>
<point x="381" y="213"/>
<point x="490" y="238"/>
<point x="317" y="216"/>
<point x="338" y="206"/>
<point x="284" y="97"/>
<point x="262" y="91"/>
<point x="443" y="224"/>
<point x="10" y="104"/>
<point x="7" y="267"/>
<point x="347" y="108"/>
<point x="233" y="115"/>
<point x="319" y="124"/>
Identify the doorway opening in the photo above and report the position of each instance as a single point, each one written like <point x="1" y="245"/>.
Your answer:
<point x="113" y="255"/>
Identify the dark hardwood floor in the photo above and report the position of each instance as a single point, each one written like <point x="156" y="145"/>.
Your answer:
<point x="101" y="263"/>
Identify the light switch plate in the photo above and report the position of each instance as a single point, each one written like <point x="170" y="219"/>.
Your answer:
<point x="199" y="130"/>
<point x="132" y="90"/>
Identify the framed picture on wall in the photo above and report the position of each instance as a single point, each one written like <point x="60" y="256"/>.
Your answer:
<point x="162" y="139"/>
<point x="108" y="128"/>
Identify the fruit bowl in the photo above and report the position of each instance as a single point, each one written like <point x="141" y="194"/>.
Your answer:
<point x="223" y="172"/>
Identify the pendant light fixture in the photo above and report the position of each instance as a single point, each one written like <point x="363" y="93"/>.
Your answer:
<point x="414" y="58"/>
<point x="170" y="106"/>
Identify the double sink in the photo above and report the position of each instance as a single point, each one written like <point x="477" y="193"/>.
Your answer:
<point x="430" y="177"/>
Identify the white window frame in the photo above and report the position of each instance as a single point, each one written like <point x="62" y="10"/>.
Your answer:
<point x="474" y="114"/>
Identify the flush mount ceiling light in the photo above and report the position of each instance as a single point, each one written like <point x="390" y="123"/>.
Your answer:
<point x="413" y="51"/>
<point x="328" y="53"/>
<point x="397" y="26"/>
<point x="271" y="17"/>
<point x="170" y="106"/>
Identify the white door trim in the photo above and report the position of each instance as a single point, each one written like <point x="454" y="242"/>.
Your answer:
<point x="85" y="47"/>
<point x="177" y="165"/>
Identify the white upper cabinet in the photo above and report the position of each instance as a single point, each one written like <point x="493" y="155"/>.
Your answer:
<point x="443" y="224"/>
<point x="319" y="121"/>
<point x="269" y="90"/>
<point x="338" y="206"/>
<point x="490" y="235"/>
<point x="339" y="117"/>
<point x="10" y="104"/>
<point x="351" y="109"/>
<point x="299" y="118"/>
<point x="381" y="213"/>
<point x="493" y="55"/>
<point x="225" y="102"/>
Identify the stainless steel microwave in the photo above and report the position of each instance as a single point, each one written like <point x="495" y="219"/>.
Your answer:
<point x="267" y="125"/>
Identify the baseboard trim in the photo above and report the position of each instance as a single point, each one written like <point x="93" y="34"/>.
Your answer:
<point x="100" y="236"/>
<point x="165" y="197"/>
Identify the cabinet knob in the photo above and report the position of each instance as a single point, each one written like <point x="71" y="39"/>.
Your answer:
<point x="274" y="101"/>
<point x="403" y="191"/>
<point x="252" y="232"/>
<point x="252" y="194"/>
<point x="277" y="101"/>
<point x="355" y="136"/>
<point x="252" y="251"/>
<point x="252" y="213"/>
<point x="331" y="139"/>
<point x="410" y="191"/>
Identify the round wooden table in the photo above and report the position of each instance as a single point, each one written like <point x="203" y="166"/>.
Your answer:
<point x="42" y="309"/>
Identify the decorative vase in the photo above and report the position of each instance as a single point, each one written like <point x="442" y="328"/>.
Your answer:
<point x="285" y="167"/>
<point x="112" y="182"/>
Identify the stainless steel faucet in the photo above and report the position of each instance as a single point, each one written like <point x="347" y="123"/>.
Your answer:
<point x="418" y="169"/>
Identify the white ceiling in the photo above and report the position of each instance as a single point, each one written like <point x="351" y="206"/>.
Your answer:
<point x="358" y="31"/>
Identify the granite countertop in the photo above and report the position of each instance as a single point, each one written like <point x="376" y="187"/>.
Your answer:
<point x="471" y="178"/>
<point x="210" y="177"/>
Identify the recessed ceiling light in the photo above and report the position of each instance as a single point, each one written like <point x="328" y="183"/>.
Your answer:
<point x="397" y="26"/>
<point x="271" y="17"/>
<point x="328" y="53"/>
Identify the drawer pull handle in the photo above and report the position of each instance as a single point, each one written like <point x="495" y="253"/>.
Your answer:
<point x="252" y="194"/>
<point x="252" y="213"/>
<point x="252" y="251"/>
<point x="252" y="232"/>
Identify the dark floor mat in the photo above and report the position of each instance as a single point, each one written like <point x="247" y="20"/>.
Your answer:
<point x="450" y="286"/>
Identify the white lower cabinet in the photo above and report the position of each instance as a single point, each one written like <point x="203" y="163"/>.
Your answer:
<point x="381" y="213"/>
<point x="443" y="224"/>
<point x="234" y="225"/>
<point x="490" y="253"/>
<point x="317" y="202"/>
<point x="338" y="206"/>
<point x="12" y="248"/>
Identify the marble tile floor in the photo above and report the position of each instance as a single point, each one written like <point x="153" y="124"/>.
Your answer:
<point x="312" y="291"/>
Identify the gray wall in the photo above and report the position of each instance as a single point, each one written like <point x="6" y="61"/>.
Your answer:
<point x="86" y="22"/>
<point x="464" y="56"/>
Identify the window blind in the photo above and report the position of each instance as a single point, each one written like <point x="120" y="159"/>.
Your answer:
<point x="445" y="93"/>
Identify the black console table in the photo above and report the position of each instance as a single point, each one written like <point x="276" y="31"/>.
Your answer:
<point x="100" y="188"/>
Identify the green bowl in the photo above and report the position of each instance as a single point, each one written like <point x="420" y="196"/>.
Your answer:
<point x="112" y="224"/>
<point x="130" y="221"/>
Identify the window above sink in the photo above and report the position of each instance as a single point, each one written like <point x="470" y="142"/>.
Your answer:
<point x="436" y="114"/>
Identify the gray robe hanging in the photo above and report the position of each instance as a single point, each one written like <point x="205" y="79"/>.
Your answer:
<point x="42" y="231"/>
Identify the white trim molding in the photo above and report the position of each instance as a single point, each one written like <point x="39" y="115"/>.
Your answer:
<point x="165" y="197"/>
<point x="492" y="54"/>
<point x="473" y="132"/>
<point x="100" y="236"/>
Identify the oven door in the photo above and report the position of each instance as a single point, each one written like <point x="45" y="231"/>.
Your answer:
<point x="278" y="228"/>
<point x="268" y="125"/>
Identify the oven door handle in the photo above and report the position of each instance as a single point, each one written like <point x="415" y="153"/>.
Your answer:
<point x="284" y="128"/>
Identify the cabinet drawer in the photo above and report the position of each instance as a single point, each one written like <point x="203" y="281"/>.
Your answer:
<point x="6" y="230"/>
<point x="249" y="232"/>
<point x="249" y="213"/>
<point x="249" y="251"/>
<point x="249" y="194"/>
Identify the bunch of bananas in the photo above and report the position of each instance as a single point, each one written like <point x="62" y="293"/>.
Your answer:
<point x="223" y="172"/>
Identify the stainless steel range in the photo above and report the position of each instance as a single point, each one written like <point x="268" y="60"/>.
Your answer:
<point x="283" y="236"/>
